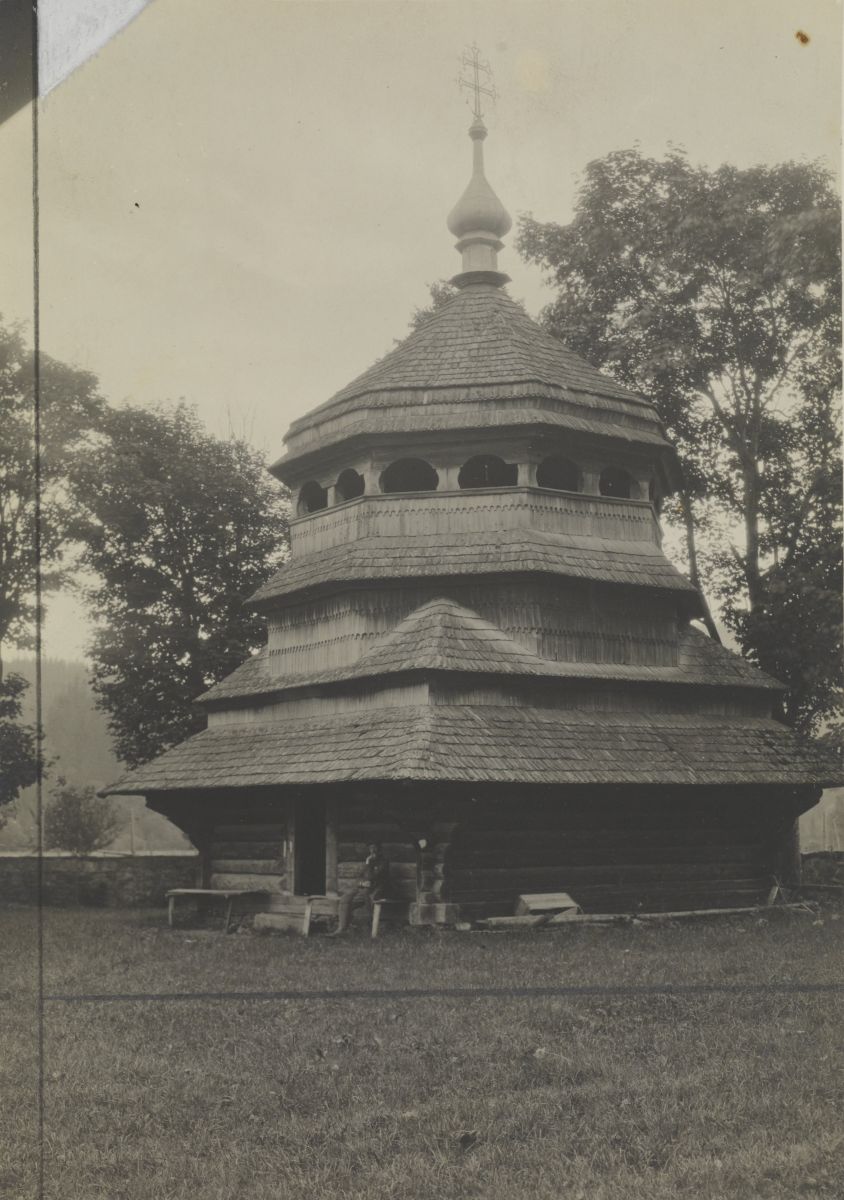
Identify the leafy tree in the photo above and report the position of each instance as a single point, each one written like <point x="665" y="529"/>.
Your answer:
<point x="441" y="291"/>
<point x="182" y="527"/>
<point x="37" y="517"/>
<point x="18" y="743"/>
<point x="37" y="513"/>
<point x="717" y="295"/>
<point x="76" y="819"/>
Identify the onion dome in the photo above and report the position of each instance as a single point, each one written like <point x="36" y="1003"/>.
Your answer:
<point x="479" y="220"/>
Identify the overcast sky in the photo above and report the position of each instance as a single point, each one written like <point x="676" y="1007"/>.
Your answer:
<point x="242" y="201"/>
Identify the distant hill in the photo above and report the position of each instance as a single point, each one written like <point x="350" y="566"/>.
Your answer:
<point x="78" y="746"/>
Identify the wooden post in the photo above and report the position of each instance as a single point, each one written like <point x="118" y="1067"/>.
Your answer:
<point x="526" y="476"/>
<point x="331" y="845"/>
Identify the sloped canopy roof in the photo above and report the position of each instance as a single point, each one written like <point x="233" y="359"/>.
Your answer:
<point x="640" y="564"/>
<point x="505" y="744"/>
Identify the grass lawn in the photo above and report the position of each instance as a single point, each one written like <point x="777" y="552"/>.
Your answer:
<point x="640" y="1097"/>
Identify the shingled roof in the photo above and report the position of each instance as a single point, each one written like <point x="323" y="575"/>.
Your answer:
<point x="641" y="564"/>
<point x="506" y="744"/>
<point x="480" y="342"/>
<point x="445" y="635"/>
<point x="442" y="635"/>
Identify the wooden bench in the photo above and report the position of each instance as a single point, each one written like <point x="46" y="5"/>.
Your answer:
<point x="331" y="906"/>
<point x="227" y="895"/>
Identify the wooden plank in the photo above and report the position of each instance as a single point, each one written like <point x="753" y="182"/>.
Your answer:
<point x="626" y="917"/>
<point x="545" y="902"/>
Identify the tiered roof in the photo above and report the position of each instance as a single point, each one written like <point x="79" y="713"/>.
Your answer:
<point x="481" y="362"/>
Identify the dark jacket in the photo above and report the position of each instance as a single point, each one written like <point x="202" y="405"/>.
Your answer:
<point x="375" y="875"/>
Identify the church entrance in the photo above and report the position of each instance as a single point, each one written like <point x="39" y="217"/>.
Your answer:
<point x="309" y="848"/>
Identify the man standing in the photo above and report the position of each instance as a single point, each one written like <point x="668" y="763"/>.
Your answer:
<point x="373" y="884"/>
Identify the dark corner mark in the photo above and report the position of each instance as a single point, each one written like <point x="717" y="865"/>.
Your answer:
<point x="17" y="46"/>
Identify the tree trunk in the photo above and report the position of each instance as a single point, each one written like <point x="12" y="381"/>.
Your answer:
<point x="694" y="574"/>
<point x="752" y="574"/>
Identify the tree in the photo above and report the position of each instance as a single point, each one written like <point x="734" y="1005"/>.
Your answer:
<point x="37" y="513"/>
<point x="37" y="517"/>
<point x="181" y="528"/>
<point x="18" y="743"/>
<point x="75" y="819"/>
<point x="717" y="295"/>
<point x="441" y="291"/>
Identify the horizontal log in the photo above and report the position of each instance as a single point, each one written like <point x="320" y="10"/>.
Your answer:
<point x="588" y="897"/>
<point x="251" y="830"/>
<point x="269" y="849"/>
<point x="605" y="872"/>
<point x="369" y="831"/>
<point x="395" y="851"/>
<point x="604" y="833"/>
<point x="289" y="903"/>
<point x="398" y="870"/>
<point x="270" y="883"/>
<point x="234" y="866"/>
<point x="605" y="857"/>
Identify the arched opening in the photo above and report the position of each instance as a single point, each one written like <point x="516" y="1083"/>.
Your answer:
<point x="349" y="485"/>
<point x="312" y="497"/>
<point x="487" y="470"/>
<point x="559" y="474"/>
<point x="615" y="481"/>
<point x="409" y="475"/>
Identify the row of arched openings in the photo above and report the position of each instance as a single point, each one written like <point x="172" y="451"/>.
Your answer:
<point x="480" y="471"/>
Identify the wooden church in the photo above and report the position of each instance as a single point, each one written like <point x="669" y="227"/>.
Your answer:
<point x="478" y="653"/>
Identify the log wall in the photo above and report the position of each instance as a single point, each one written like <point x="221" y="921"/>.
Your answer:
<point x="619" y="857"/>
<point x="613" y="849"/>
<point x="250" y="856"/>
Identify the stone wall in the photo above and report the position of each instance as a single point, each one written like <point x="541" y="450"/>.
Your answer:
<point x="95" y="880"/>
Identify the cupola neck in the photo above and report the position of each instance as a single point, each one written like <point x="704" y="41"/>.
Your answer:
<point x="479" y="220"/>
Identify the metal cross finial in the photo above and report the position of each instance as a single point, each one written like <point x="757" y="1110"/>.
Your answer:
<point x="472" y="58"/>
